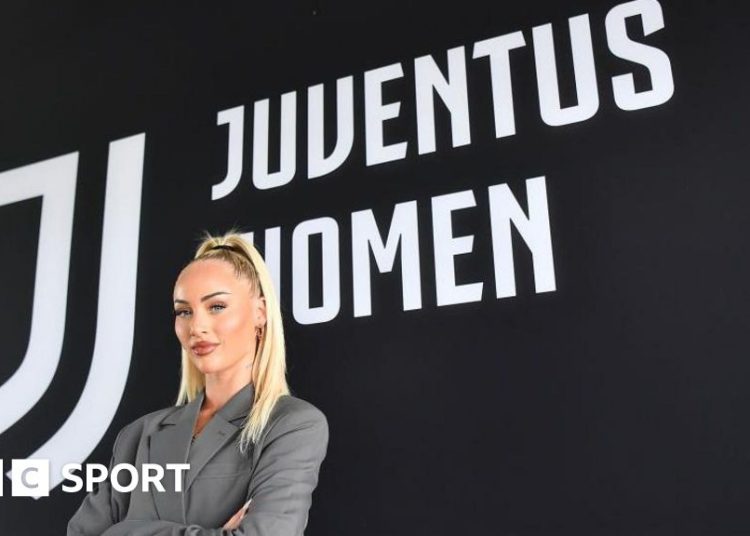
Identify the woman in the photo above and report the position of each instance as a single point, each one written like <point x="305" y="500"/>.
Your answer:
<point x="254" y="450"/>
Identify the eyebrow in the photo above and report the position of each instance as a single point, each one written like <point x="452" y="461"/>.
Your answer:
<point x="207" y="296"/>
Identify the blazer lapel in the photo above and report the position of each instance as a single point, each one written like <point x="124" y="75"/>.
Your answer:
<point x="223" y="427"/>
<point x="170" y="444"/>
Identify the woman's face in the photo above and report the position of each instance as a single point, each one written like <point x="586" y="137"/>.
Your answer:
<point x="216" y="317"/>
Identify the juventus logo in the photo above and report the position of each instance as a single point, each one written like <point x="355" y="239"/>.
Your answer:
<point x="54" y="180"/>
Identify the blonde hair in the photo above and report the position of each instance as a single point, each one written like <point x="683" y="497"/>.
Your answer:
<point x="269" y="364"/>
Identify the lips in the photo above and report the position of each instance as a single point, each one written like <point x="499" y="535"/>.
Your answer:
<point x="203" y="348"/>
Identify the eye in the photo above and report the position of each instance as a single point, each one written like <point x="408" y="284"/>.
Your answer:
<point x="179" y="312"/>
<point x="218" y="307"/>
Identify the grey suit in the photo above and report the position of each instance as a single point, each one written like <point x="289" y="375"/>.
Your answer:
<point x="279" y="473"/>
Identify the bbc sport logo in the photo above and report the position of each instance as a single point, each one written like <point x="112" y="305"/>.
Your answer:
<point x="31" y="477"/>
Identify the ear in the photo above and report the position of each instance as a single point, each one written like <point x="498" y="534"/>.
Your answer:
<point x="261" y="311"/>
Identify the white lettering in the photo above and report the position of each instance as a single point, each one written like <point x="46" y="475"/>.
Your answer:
<point x="584" y="74"/>
<point x="68" y="474"/>
<point x="448" y="246"/>
<point x="376" y="113"/>
<point x="498" y="50"/>
<point x="655" y="60"/>
<point x="263" y="179"/>
<point x="93" y="478"/>
<point x="366" y="237"/>
<point x="317" y="163"/>
<point x="178" y="469"/>
<point x="452" y="91"/>
<point x="301" y="309"/>
<point x="534" y="229"/>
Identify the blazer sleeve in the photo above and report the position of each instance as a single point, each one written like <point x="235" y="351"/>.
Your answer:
<point x="103" y="506"/>
<point x="281" y="485"/>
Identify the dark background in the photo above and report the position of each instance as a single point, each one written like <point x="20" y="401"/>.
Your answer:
<point x="616" y="405"/>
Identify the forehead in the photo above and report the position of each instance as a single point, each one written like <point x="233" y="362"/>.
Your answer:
<point x="206" y="276"/>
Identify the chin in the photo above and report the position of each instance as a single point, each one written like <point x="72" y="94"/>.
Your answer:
<point x="207" y="364"/>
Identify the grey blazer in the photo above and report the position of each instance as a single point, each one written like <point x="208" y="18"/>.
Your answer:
<point x="279" y="473"/>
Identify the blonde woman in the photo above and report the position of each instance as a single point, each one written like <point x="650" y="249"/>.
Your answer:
<point x="254" y="450"/>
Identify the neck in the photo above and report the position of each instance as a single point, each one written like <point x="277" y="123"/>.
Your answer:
<point x="220" y="387"/>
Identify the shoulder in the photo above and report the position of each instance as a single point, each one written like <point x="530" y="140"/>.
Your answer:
<point x="292" y="413"/>
<point x="290" y="407"/>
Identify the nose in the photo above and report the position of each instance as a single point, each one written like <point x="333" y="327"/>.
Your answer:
<point x="195" y="332"/>
<point x="198" y="324"/>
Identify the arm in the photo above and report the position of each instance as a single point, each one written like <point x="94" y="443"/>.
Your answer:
<point x="281" y="486"/>
<point x="102" y="507"/>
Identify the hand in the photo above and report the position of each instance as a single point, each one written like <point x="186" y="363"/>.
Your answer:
<point x="234" y="521"/>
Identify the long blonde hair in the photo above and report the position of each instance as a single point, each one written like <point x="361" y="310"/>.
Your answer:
<point x="269" y="365"/>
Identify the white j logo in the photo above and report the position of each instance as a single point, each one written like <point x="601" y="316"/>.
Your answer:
<point x="55" y="181"/>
